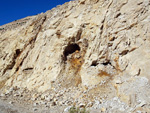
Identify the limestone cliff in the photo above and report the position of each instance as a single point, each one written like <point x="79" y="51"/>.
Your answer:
<point x="101" y="46"/>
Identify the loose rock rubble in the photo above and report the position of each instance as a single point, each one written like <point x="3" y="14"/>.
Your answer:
<point x="90" y="54"/>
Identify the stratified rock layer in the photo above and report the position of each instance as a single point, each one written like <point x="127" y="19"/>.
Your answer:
<point x="99" y="45"/>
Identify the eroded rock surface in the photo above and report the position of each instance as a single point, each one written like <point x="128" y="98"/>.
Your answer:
<point x="96" y="52"/>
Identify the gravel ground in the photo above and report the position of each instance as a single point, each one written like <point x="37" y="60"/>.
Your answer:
<point x="7" y="107"/>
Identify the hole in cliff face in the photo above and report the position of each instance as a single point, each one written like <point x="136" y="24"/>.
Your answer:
<point x="27" y="69"/>
<point x="94" y="63"/>
<point x="124" y="52"/>
<point x="18" y="52"/>
<point x="13" y="61"/>
<point x="70" y="49"/>
<point x="106" y="63"/>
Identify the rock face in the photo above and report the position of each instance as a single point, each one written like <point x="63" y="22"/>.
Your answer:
<point x="100" y="45"/>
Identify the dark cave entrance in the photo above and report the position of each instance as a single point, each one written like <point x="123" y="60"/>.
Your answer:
<point x="71" y="48"/>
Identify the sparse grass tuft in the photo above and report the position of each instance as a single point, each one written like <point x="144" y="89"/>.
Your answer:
<point x="77" y="110"/>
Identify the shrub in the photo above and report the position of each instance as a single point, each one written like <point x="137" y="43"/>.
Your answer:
<point x="1" y="28"/>
<point x="77" y="110"/>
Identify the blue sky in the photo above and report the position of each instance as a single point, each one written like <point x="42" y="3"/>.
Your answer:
<point x="11" y="10"/>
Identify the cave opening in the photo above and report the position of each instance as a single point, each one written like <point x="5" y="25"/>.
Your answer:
<point x="71" y="48"/>
<point x="18" y="52"/>
<point x="94" y="63"/>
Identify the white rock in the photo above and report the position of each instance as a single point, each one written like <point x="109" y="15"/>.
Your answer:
<point x="67" y="109"/>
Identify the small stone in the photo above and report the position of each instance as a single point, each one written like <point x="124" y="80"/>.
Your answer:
<point x="16" y="95"/>
<point x="48" y="98"/>
<point x="143" y="103"/>
<point x="53" y="104"/>
<point x="2" y="95"/>
<point x="42" y="97"/>
<point x="7" y="92"/>
<point x="90" y="104"/>
<point x="51" y="97"/>
<point x="47" y="106"/>
<point x="115" y="98"/>
<point x="55" y="99"/>
<point x="138" y="111"/>
<point x="15" y="88"/>
<point x="82" y="2"/>
<point x="59" y="95"/>
<point x="103" y="109"/>
<point x="10" y="102"/>
<point x="67" y="108"/>
<point x="35" y="109"/>
<point x="60" y="103"/>
<point x="111" y="38"/>
<point x="35" y="104"/>
<point x="82" y="105"/>
<point x="11" y="89"/>
<point x="118" y="81"/>
<point x="33" y="99"/>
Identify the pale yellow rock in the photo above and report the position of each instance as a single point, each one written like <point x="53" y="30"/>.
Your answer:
<point x="81" y="43"/>
<point x="103" y="109"/>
